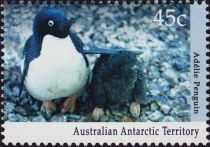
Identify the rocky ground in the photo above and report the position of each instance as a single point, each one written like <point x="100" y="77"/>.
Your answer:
<point x="166" y="60"/>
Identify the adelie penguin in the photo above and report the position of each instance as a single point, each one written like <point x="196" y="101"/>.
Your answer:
<point x="54" y="64"/>
<point x="117" y="79"/>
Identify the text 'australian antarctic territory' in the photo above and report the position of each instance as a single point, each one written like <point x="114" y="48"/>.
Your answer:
<point x="164" y="130"/>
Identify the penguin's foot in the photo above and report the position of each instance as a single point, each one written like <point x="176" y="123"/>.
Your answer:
<point x="69" y="105"/>
<point x="135" y="109"/>
<point x="48" y="108"/>
<point x="97" y="113"/>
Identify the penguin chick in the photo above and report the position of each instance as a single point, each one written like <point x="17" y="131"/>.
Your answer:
<point x="117" y="79"/>
<point x="54" y="65"/>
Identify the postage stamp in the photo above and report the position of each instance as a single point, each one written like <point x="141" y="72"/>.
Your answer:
<point x="104" y="73"/>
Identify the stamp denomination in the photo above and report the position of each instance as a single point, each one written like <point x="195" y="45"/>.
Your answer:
<point x="105" y="73"/>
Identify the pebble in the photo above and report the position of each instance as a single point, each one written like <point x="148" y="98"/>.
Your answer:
<point x="143" y="118"/>
<point x="171" y="74"/>
<point x="173" y="92"/>
<point x="165" y="108"/>
<point x="15" y="91"/>
<point x="168" y="119"/>
<point x="58" y="118"/>
<point x="12" y="117"/>
<point x="116" y="113"/>
<point x="20" y="111"/>
<point x="35" y="106"/>
<point x="7" y="91"/>
<point x="38" y="118"/>
<point x="104" y="118"/>
<point x="171" y="37"/>
<point x="155" y="91"/>
<point x="183" y="113"/>
<point x="9" y="107"/>
<point x="16" y="118"/>
<point x="153" y="106"/>
<point x="125" y="111"/>
<point x="155" y="116"/>
<point x="30" y="111"/>
<point x="77" y="117"/>
<point x="127" y="119"/>
<point x="117" y="118"/>
<point x="164" y="105"/>
<point x="180" y="65"/>
<point x="24" y="101"/>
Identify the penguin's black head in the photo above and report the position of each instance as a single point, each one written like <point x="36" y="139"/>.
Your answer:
<point x="53" y="21"/>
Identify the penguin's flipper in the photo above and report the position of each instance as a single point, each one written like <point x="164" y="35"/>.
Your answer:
<point x="31" y="51"/>
<point x="25" y="70"/>
<point x="79" y="45"/>
<point x="25" y="64"/>
<point x="107" y="51"/>
<point x="95" y="50"/>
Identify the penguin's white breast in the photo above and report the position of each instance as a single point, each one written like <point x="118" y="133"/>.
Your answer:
<point x="59" y="71"/>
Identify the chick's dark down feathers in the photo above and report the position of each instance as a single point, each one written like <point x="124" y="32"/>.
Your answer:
<point x="117" y="78"/>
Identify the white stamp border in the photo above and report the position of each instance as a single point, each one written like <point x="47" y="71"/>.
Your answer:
<point x="64" y="133"/>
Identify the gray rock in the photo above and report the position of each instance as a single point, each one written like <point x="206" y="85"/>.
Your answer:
<point x="184" y="113"/>
<point x="173" y="93"/>
<point x="143" y="118"/>
<point x="155" y="116"/>
<point x="35" y="106"/>
<point x="164" y="105"/>
<point x="117" y="113"/>
<point x="17" y="118"/>
<point x="77" y="117"/>
<point x="7" y="91"/>
<point x="116" y="118"/>
<point x="165" y="108"/>
<point x="9" y="107"/>
<point x="30" y="111"/>
<point x="58" y="118"/>
<point x="24" y="101"/>
<point x="112" y="120"/>
<point x="20" y="111"/>
<point x="153" y="106"/>
<point x="125" y="110"/>
<point x="12" y="117"/>
<point x="15" y="91"/>
<point x="168" y="119"/>
<point x="39" y="118"/>
<point x="104" y="118"/>
<point x="171" y="75"/>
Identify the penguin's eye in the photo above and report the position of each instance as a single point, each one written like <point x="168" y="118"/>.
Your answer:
<point x="50" y="23"/>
